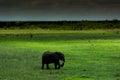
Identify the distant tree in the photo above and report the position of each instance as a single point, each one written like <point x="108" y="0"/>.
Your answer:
<point x="115" y="20"/>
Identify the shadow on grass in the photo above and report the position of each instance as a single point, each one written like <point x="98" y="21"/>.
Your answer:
<point x="60" y="36"/>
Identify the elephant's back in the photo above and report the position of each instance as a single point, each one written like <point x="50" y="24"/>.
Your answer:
<point x="46" y="54"/>
<point x="49" y="57"/>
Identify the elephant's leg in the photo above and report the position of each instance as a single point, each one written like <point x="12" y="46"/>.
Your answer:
<point x="47" y="66"/>
<point x="57" y="65"/>
<point x="42" y="65"/>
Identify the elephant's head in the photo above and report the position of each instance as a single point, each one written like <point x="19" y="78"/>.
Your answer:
<point x="61" y="57"/>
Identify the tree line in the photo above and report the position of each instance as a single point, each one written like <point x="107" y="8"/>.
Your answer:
<point x="61" y="25"/>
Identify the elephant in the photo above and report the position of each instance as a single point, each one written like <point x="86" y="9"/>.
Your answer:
<point x="53" y="57"/>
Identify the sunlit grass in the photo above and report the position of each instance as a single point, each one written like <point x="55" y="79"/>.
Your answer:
<point x="87" y="57"/>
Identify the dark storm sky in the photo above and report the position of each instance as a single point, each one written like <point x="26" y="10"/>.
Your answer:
<point x="43" y="10"/>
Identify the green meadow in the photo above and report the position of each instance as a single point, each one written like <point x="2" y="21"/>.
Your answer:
<point x="89" y="54"/>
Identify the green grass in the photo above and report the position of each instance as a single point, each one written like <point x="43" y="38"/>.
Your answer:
<point x="90" y="55"/>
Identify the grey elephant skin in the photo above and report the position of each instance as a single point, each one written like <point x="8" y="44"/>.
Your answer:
<point x="53" y="57"/>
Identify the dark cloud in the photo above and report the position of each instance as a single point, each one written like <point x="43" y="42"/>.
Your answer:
<point x="58" y="8"/>
<point x="57" y="4"/>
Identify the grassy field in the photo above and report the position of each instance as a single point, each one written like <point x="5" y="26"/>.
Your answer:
<point x="90" y="55"/>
